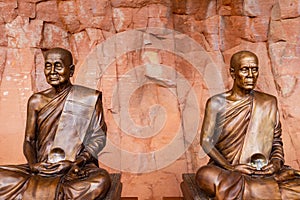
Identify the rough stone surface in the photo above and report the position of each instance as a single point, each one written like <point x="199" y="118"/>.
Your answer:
<point x="45" y="10"/>
<point x="3" y="35"/>
<point x="8" y="10"/>
<point x="140" y="17"/>
<point x="54" y="35"/>
<point x="231" y="7"/>
<point x="23" y="32"/>
<point x="208" y="9"/>
<point x="26" y="9"/>
<point x="258" y="8"/>
<point x="152" y="84"/>
<point x="289" y="8"/>
<point x="95" y="14"/>
<point x="122" y="18"/>
<point x="69" y="17"/>
<point x="232" y="30"/>
<point x="138" y="3"/>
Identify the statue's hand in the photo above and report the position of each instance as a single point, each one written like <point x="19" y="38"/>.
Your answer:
<point x="286" y="174"/>
<point x="58" y="168"/>
<point x="245" y="169"/>
<point x="271" y="168"/>
<point x="37" y="167"/>
<point x="76" y="173"/>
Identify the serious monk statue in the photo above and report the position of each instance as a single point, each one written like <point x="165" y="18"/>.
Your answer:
<point x="241" y="133"/>
<point x="65" y="131"/>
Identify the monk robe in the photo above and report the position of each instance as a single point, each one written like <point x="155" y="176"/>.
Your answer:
<point x="244" y="128"/>
<point x="18" y="182"/>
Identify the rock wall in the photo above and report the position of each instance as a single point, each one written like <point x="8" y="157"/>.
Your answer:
<point x="157" y="62"/>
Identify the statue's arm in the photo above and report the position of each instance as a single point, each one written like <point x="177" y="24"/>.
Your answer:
<point x="277" y="155"/>
<point x="277" y="146"/>
<point x="208" y="138"/>
<point x="95" y="139"/>
<point x="29" y="146"/>
<point x="208" y="134"/>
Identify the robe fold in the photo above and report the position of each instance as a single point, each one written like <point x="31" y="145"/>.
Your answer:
<point x="244" y="128"/>
<point x="17" y="181"/>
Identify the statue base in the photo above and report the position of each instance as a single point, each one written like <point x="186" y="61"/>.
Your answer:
<point x="190" y="190"/>
<point x="114" y="192"/>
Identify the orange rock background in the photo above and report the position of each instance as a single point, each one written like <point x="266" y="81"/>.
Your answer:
<point x="146" y="90"/>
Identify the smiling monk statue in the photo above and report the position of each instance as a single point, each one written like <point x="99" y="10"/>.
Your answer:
<point x="241" y="134"/>
<point x="65" y="131"/>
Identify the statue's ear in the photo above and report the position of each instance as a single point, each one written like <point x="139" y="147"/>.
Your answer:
<point x="72" y="69"/>
<point x="232" y="72"/>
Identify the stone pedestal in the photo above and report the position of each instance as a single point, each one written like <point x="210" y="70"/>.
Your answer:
<point x="115" y="190"/>
<point x="190" y="190"/>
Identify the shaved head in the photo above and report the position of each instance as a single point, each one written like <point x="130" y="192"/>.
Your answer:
<point x="65" y="54"/>
<point x="235" y="60"/>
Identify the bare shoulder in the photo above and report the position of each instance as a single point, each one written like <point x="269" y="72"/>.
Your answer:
<point x="216" y="102"/>
<point x="38" y="100"/>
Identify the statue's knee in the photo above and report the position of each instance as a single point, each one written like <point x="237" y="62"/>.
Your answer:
<point x="204" y="172"/>
<point x="103" y="181"/>
<point x="206" y="178"/>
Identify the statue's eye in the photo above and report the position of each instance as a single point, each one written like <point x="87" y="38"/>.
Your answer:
<point x="255" y="69"/>
<point x="47" y="66"/>
<point x="244" y="69"/>
<point x="58" y="66"/>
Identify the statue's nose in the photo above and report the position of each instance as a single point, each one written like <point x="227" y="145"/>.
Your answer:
<point x="250" y="73"/>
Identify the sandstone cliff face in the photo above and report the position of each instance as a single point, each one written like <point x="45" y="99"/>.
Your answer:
<point x="157" y="62"/>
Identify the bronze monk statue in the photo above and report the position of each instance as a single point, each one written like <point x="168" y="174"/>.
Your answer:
<point x="241" y="134"/>
<point x="65" y="130"/>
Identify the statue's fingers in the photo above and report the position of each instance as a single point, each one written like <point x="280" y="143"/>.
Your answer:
<point x="270" y="171"/>
<point x="46" y="172"/>
<point x="262" y="172"/>
<point x="51" y="170"/>
<point x="267" y="167"/>
<point x="297" y="172"/>
<point x="252" y="168"/>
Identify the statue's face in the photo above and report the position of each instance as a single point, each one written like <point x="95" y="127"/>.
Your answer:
<point x="56" y="70"/>
<point x="246" y="73"/>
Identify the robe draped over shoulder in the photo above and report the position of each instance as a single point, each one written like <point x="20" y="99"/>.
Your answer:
<point x="249" y="126"/>
<point x="17" y="181"/>
<point x="243" y="128"/>
<point x="47" y="123"/>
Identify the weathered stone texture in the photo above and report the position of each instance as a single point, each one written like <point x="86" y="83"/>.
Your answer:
<point x="23" y="33"/>
<point x="140" y="17"/>
<point x="3" y="35"/>
<point x="289" y="8"/>
<point x="26" y="9"/>
<point x="47" y="11"/>
<point x="122" y="19"/>
<point x="138" y="3"/>
<point x="8" y="10"/>
<point x="2" y="62"/>
<point x="53" y="36"/>
<point x="258" y="8"/>
<point x="148" y="81"/>
<point x="95" y="14"/>
<point x="189" y="7"/>
<point x="68" y="14"/>
<point x="231" y="7"/>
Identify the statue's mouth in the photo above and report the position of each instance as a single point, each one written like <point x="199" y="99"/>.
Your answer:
<point x="53" y="78"/>
<point x="250" y="82"/>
